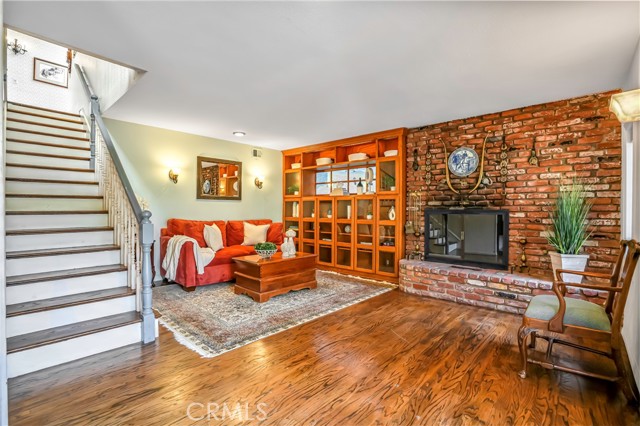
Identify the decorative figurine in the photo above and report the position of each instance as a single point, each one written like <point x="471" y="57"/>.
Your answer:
<point x="289" y="247"/>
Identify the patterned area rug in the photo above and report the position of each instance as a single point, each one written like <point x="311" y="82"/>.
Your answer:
<point x="213" y="320"/>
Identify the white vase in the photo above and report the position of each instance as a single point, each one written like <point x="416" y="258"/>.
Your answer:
<point x="573" y="262"/>
<point x="392" y="213"/>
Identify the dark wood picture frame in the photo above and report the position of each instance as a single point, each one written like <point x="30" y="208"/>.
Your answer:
<point x="38" y="76"/>
<point x="221" y="176"/>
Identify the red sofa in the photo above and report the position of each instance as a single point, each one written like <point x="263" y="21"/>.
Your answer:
<point x="222" y="267"/>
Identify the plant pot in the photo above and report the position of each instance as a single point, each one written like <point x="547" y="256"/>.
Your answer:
<point x="574" y="262"/>
<point x="266" y="254"/>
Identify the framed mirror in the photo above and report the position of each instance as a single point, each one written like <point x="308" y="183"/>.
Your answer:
<point x="219" y="179"/>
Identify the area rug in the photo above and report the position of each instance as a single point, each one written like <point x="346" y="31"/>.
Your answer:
<point x="212" y="319"/>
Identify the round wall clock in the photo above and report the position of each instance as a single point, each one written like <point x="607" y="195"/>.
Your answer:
<point x="463" y="161"/>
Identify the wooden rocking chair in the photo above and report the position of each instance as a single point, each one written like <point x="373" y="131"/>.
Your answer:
<point x="567" y="321"/>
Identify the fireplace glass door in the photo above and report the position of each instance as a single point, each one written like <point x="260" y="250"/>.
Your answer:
<point x="467" y="237"/>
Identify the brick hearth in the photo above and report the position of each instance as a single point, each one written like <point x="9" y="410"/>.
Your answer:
<point x="486" y="288"/>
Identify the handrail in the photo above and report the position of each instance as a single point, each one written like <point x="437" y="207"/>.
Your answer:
<point x="133" y="230"/>
<point x="95" y="115"/>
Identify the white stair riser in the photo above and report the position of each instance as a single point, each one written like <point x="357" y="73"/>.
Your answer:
<point x="61" y="240"/>
<point x="46" y="161"/>
<point x="32" y="265"/>
<point x="64" y="287"/>
<point x="46" y="120"/>
<point x="15" y="222"/>
<point x="16" y="134"/>
<point x="27" y="172"/>
<point x="44" y="149"/>
<point x="24" y="362"/>
<point x="23" y="204"/>
<point x="17" y="187"/>
<point x="46" y="129"/>
<point x="28" y="323"/>
<point x="42" y="112"/>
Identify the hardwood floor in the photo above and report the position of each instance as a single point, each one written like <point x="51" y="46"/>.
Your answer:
<point x="394" y="359"/>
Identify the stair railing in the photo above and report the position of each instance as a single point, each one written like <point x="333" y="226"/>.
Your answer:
<point x="133" y="231"/>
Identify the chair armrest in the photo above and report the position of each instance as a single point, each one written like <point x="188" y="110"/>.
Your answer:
<point x="556" y="323"/>
<point x="583" y="273"/>
<point x="589" y="286"/>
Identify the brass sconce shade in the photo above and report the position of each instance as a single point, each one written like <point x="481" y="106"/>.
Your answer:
<point x="259" y="182"/>
<point x="173" y="175"/>
<point x="626" y="106"/>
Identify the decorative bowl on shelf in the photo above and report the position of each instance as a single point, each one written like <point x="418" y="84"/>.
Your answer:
<point x="391" y="153"/>
<point x="296" y="165"/>
<point x="358" y="156"/>
<point x="323" y="161"/>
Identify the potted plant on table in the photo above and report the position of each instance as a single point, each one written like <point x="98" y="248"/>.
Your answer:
<point x="569" y="231"/>
<point x="266" y="250"/>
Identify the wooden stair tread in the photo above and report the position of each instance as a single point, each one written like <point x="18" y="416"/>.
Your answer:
<point x="55" y="135"/>
<point x="38" y="166"/>
<point x="64" y="182"/>
<point x="95" y="197"/>
<point x="67" y="273"/>
<point x="66" y="301"/>
<point x="44" y="109"/>
<point x="52" y="212"/>
<point x="58" y="230"/>
<point x="52" y="145"/>
<point x="37" y="123"/>
<point x="34" y="114"/>
<point x="60" y="251"/>
<point x="67" y="332"/>
<point x="40" y="154"/>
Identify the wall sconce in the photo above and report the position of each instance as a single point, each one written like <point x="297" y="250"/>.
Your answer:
<point x="626" y="106"/>
<point x="173" y="175"/>
<point x="16" y="48"/>
<point x="259" y="181"/>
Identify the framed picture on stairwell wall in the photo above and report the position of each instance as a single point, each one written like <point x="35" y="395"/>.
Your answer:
<point x="51" y="73"/>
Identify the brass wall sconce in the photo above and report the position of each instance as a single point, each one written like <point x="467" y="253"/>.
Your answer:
<point x="259" y="182"/>
<point x="173" y="175"/>
<point x="17" y="48"/>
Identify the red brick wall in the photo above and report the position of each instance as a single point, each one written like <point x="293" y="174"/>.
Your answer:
<point x="574" y="138"/>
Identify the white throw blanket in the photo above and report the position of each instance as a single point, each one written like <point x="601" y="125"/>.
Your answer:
<point x="203" y="256"/>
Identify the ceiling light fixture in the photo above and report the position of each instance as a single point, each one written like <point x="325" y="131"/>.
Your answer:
<point x="239" y="134"/>
<point x="626" y="106"/>
<point x="17" y="48"/>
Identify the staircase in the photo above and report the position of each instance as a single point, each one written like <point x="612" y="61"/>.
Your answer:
<point x="67" y="291"/>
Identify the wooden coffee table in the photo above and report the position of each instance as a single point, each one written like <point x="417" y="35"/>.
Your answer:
<point x="262" y="279"/>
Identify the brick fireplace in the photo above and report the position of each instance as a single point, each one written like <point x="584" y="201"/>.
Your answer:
<point x="573" y="138"/>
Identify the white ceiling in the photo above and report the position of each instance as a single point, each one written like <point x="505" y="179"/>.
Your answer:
<point x="296" y="73"/>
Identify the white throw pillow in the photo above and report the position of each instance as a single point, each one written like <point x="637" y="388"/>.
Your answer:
<point x="213" y="237"/>
<point x="254" y="234"/>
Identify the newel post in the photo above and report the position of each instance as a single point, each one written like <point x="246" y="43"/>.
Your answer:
<point x="94" y="108"/>
<point x="148" y="319"/>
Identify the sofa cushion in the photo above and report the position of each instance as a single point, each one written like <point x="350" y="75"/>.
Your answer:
<point x="275" y="233"/>
<point x="227" y="254"/>
<point x="213" y="237"/>
<point x="254" y="234"/>
<point x="194" y="229"/>
<point x="235" y="230"/>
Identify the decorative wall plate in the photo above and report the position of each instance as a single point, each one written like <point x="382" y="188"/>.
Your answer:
<point x="463" y="161"/>
<point x="206" y="187"/>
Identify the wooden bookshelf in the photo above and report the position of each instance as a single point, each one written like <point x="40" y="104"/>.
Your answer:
<point x="349" y="232"/>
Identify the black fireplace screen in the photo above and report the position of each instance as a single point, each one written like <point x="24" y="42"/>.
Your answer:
<point x="475" y="237"/>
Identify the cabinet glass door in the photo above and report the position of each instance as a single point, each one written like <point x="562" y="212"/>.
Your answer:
<point x="387" y="176"/>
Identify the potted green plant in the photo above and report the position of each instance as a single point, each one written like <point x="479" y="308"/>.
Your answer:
<point x="388" y="182"/>
<point x="569" y="231"/>
<point x="266" y="250"/>
<point x="293" y="189"/>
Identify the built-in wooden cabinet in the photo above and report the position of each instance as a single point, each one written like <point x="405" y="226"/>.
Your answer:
<point x="359" y="233"/>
